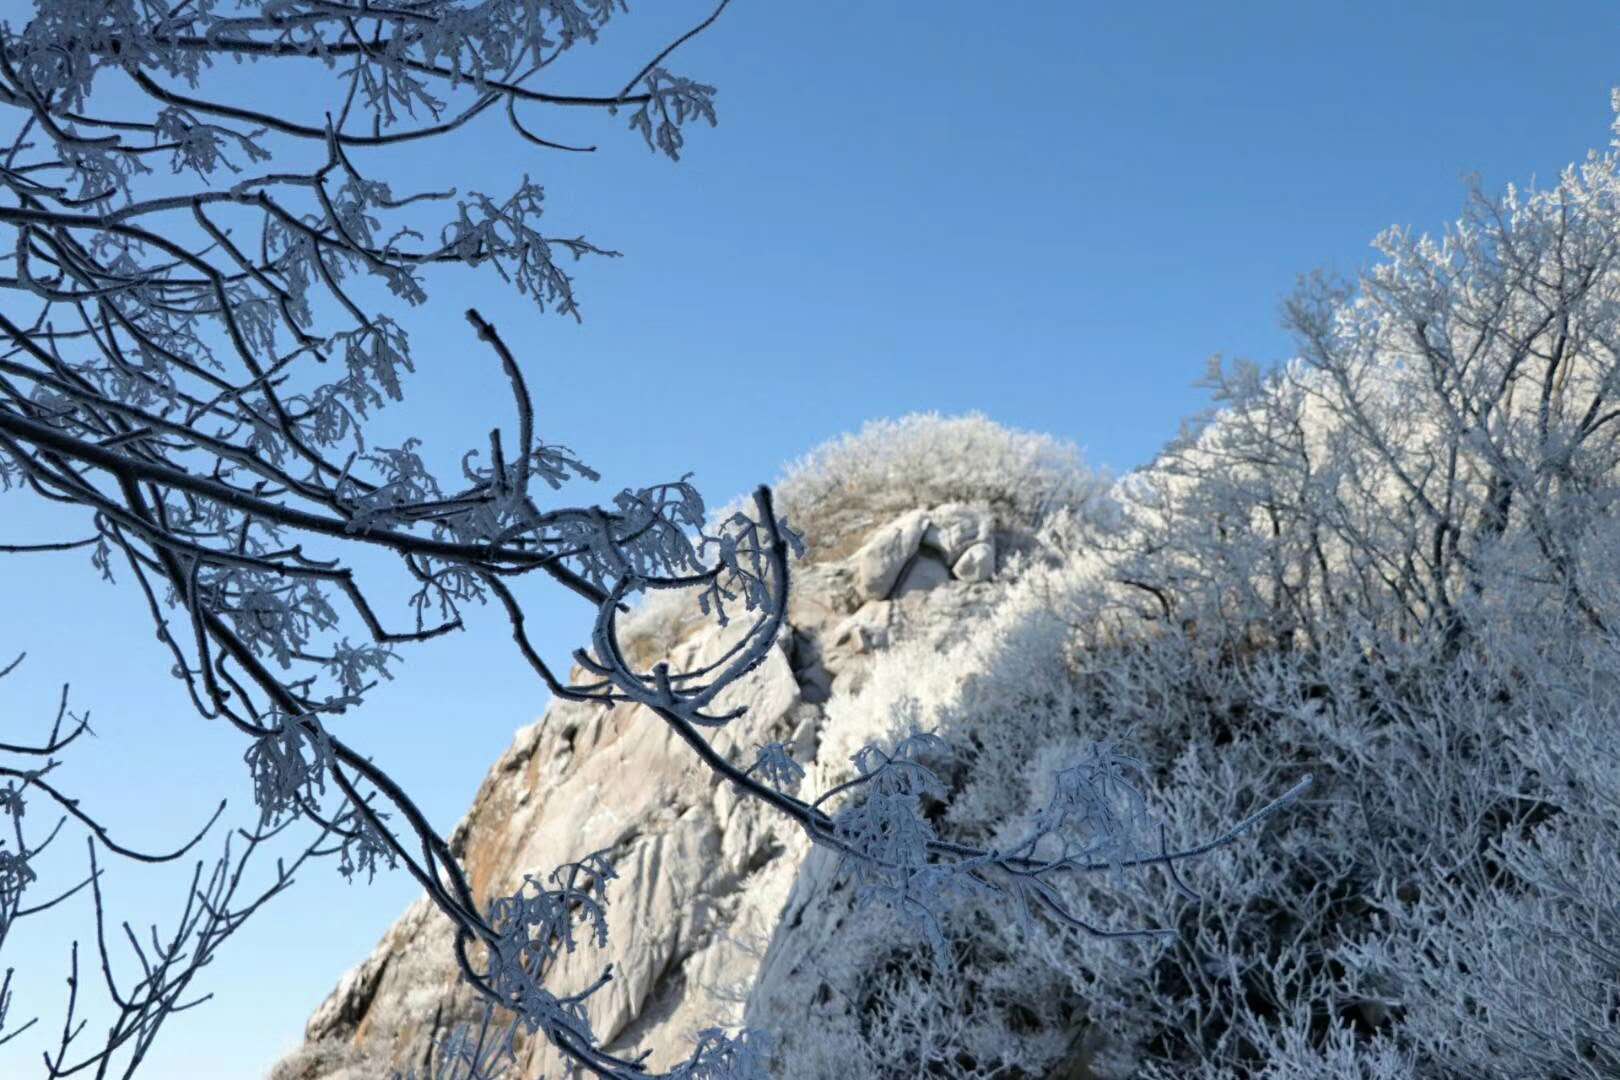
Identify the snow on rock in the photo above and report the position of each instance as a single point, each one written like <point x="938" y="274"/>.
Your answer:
<point x="919" y="550"/>
<point x="881" y="559"/>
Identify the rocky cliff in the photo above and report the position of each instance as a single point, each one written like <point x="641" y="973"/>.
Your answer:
<point x="704" y="877"/>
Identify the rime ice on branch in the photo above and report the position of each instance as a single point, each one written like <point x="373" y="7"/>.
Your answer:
<point x="152" y="388"/>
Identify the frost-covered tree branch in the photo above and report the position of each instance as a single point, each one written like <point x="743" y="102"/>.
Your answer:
<point x="177" y="385"/>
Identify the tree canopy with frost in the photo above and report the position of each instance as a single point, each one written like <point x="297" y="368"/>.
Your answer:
<point x="163" y="388"/>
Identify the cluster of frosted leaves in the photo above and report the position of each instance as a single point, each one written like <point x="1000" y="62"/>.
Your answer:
<point x="1080" y="824"/>
<point x="671" y="93"/>
<point x="742" y="555"/>
<point x="15" y="873"/>
<point x="885" y="841"/>
<point x="775" y="764"/>
<point x="535" y="930"/>
<point x="289" y="767"/>
<point x="365" y="843"/>
<point x="273" y="616"/>
<point x="282" y="774"/>
<point x="726" y="1057"/>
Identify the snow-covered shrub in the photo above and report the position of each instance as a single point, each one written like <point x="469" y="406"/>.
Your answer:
<point x="1303" y="958"/>
<point x="1392" y="560"/>
<point x="1389" y="563"/>
<point x="1006" y="1004"/>
<point x="840" y="490"/>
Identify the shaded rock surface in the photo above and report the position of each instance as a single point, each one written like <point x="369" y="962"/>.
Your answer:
<point x="702" y="875"/>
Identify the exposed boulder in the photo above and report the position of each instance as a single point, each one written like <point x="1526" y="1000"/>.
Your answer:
<point x="885" y="556"/>
<point x="955" y="527"/>
<point x="921" y="549"/>
<point x="925" y="571"/>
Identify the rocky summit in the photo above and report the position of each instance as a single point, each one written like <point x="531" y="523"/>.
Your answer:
<point x="703" y="877"/>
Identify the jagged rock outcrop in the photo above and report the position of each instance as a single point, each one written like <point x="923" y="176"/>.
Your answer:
<point x="703" y="877"/>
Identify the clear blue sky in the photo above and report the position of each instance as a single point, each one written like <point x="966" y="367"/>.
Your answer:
<point x="1054" y="217"/>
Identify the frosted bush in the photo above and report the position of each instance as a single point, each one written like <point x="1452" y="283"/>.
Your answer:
<point x="1008" y="1004"/>
<point x="1443" y="905"/>
<point x="1389" y="562"/>
<point x="843" y="488"/>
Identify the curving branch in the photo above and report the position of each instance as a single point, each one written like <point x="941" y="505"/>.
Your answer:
<point x="151" y="390"/>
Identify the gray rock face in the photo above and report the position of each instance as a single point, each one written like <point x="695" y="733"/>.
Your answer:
<point x="700" y="873"/>
<point x="881" y="559"/>
<point x="954" y="527"/>
<point x="921" y="548"/>
<point x="924" y="572"/>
